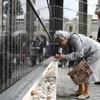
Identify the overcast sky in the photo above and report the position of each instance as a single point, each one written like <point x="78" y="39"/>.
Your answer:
<point x="69" y="4"/>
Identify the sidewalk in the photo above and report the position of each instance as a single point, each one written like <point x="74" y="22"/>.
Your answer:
<point x="66" y="87"/>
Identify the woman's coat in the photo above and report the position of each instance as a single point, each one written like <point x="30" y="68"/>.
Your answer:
<point x="84" y="46"/>
<point x="33" y="52"/>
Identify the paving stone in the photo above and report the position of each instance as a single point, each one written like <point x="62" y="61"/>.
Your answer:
<point x="65" y="87"/>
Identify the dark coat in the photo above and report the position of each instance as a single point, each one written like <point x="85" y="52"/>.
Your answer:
<point x="40" y="44"/>
<point x="33" y="49"/>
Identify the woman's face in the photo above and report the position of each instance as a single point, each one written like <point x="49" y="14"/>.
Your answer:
<point x="63" y="43"/>
<point x="34" y="38"/>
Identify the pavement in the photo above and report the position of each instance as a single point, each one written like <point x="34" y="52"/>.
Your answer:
<point x="65" y="87"/>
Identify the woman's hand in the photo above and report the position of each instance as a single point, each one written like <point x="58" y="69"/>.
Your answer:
<point x="60" y="57"/>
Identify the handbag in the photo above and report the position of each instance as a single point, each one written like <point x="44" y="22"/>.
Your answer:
<point x="81" y="72"/>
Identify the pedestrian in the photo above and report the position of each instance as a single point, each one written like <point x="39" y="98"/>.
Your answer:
<point x="33" y="51"/>
<point x="40" y="47"/>
<point x="79" y="46"/>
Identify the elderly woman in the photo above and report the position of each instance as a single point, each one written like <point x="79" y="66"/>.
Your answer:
<point x="79" y="46"/>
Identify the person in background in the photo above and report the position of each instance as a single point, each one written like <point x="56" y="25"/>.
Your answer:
<point x="33" y="51"/>
<point x="40" y="47"/>
<point x="79" y="46"/>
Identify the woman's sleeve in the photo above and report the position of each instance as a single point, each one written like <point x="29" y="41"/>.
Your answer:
<point x="79" y="51"/>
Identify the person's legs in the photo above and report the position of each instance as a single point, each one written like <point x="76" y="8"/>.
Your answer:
<point x="81" y="88"/>
<point x="86" y="93"/>
<point x="87" y="89"/>
<point x="32" y="61"/>
<point x="79" y="91"/>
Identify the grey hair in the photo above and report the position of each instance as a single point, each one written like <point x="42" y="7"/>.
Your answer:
<point x="61" y="34"/>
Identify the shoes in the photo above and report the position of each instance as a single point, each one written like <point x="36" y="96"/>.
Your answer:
<point x="82" y="96"/>
<point x="97" y="83"/>
<point x="77" y="93"/>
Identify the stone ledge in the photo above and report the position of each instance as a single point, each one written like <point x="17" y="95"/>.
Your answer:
<point x="18" y="90"/>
